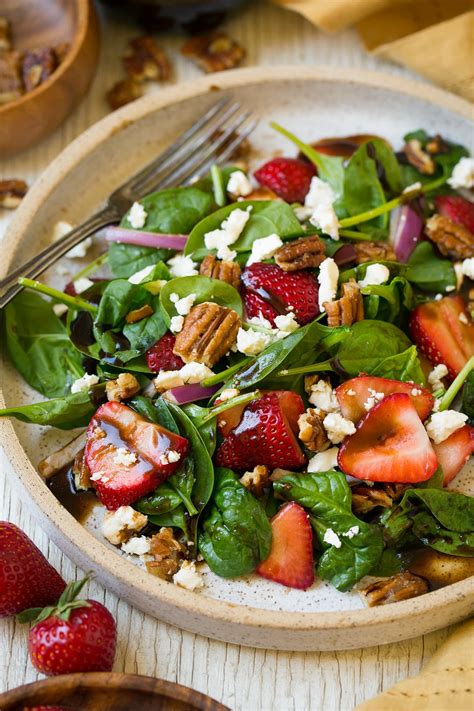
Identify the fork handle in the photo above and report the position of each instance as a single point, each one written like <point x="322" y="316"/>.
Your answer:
<point x="37" y="264"/>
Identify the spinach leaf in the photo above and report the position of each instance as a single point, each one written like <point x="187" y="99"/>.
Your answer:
<point x="207" y="430"/>
<point x="468" y="397"/>
<point x="65" y="413"/>
<point x="446" y="159"/>
<point x="405" y="366"/>
<point x="327" y="497"/>
<point x="126" y="259"/>
<point x="368" y="344"/>
<point x="173" y="211"/>
<point x="389" y="302"/>
<point x="39" y="347"/>
<point x="163" y="500"/>
<point x="118" y="299"/>
<point x="155" y="411"/>
<point x="205" y="289"/>
<point x="236" y="534"/>
<point x="174" y="519"/>
<point x="362" y="188"/>
<point x="266" y="217"/>
<point x="387" y="160"/>
<point x="144" y="333"/>
<point x="428" y="271"/>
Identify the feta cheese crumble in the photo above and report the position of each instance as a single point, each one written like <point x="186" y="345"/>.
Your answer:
<point x="188" y="576"/>
<point x="125" y="456"/>
<point x="373" y="398"/>
<point x="80" y="250"/>
<point x="331" y="538"/>
<point x="168" y="379"/>
<point x="337" y="427"/>
<point x="468" y="268"/>
<point x="286" y="323"/>
<point x="434" y="378"/>
<point x="84" y="383"/>
<point x="238" y="184"/>
<point x="184" y="305"/>
<point x="194" y="372"/>
<point x="463" y="174"/>
<point x="170" y="457"/>
<point x="138" y="545"/>
<point x="320" y="199"/>
<point x="82" y="285"/>
<point x="353" y="531"/>
<point x="228" y="233"/>
<point x="137" y="216"/>
<point x="176" y="324"/>
<point x="327" y="279"/>
<point x="139" y="276"/>
<point x="260" y="321"/>
<point x="375" y="274"/>
<point x="181" y="266"/>
<point x="264" y="248"/>
<point x="323" y="396"/>
<point x="323" y="461"/>
<point x="61" y="229"/>
<point x="60" y="309"/>
<point x="118" y="525"/>
<point x="252" y="342"/>
<point x="442" y="424"/>
<point x="413" y="186"/>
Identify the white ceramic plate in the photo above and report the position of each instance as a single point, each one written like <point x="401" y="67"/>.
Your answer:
<point x="313" y="103"/>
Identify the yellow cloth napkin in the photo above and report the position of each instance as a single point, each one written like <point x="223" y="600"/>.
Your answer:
<point x="445" y="684"/>
<point x="433" y="37"/>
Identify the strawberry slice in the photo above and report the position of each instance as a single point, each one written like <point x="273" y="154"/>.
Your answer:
<point x="356" y="392"/>
<point x="454" y="452"/>
<point x="290" y="561"/>
<point x="161" y="357"/>
<point x="390" y="444"/>
<point x="289" y="178"/>
<point x="457" y="209"/>
<point x="265" y="434"/>
<point x="269" y="291"/>
<point x="444" y="332"/>
<point x="128" y="456"/>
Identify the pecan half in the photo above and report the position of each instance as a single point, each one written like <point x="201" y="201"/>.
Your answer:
<point x="123" y="92"/>
<point x="418" y="158"/>
<point x="311" y="429"/>
<point x="224" y="271"/>
<point x="303" y="253"/>
<point x="207" y="334"/>
<point x="10" y="77"/>
<point x="256" y="480"/>
<point x="81" y="472"/>
<point x="12" y="192"/>
<point x="399" y="587"/>
<point x="348" y="309"/>
<point x="123" y="388"/>
<point x="37" y="65"/>
<point x="214" y="52"/>
<point x="144" y="60"/>
<point x="167" y="553"/>
<point x="262" y="193"/>
<point x="5" y="35"/>
<point x="452" y="240"/>
<point x="367" y="498"/>
<point x="373" y="252"/>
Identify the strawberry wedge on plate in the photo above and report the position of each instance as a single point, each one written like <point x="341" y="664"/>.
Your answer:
<point x="454" y="452"/>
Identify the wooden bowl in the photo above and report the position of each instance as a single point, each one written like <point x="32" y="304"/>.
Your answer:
<point x="44" y="23"/>
<point x="100" y="691"/>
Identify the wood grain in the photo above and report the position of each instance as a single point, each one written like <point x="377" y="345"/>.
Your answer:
<point x="242" y="678"/>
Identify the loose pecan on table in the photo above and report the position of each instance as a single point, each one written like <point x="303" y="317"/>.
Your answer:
<point x="144" y="60"/>
<point x="453" y="240"/>
<point x="399" y="587"/>
<point x="214" y="52"/>
<point x="418" y="158"/>
<point x="348" y="309"/>
<point x="123" y="92"/>
<point x="367" y="498"/>
<point x="12" y="192"/>
<point x="36" y="66"/>
<point x="256" y="480"/>
<point x="167" y="553"/>
<point x="222" y="270"/>
<point x="373" y="252"/>
<point x="303" y="253"/>
<point x="311" y="429"/>
<point x="208" y="332"/>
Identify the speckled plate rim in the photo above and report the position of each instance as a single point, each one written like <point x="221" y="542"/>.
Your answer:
<point x="226" y="621"/>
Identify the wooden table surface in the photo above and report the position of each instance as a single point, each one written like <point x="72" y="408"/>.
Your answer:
<point x="242" y="678"/>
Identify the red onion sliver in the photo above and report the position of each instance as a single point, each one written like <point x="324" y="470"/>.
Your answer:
<point x="192" y="392"/>
<point x="345" y="255"/>
<point x="146" y="239"/>
<point x="406" y="227"/>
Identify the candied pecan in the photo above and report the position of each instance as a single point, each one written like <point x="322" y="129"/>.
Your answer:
<point x="311" y="429"/>
<point x="123" y="92"/>
<point x="36" y="66"/>
<point x="399" y="587"/>
<point x="224" y="271"/>
<point x="138" y="314"/>
<point x="256" y="480"/>
<point x="436" y="145"/>
<point x="167" y="553"/>
<point x="207" y="334"/>
<point x="418" y="158"/>
<point x="373" y="251"/>
<point x="144" y="60"/>
<point x="12" y="192"/>
<point x="124" y="387"/>
<point x="5" y="34"/>
<point x="81" y="472"/>
<point x="262" y="193"/>
<point x="214" y="52"/>
<point x="303" y="253"/>
<point x="453" y="240"/>
<point x="367" y="498"/>
<point x="348" y="309"/>
<point x="10" y="76"/>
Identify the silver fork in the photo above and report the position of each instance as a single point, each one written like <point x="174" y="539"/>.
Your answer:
<point x="211" y="139"/>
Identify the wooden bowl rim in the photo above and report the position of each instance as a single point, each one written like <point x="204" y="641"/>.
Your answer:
<point x="99" y="680"/>
<point x="70" y="535"/>
<point x="84" y="11"/>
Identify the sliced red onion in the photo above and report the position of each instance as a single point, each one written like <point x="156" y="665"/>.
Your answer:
<point x="406" y="227"/>
<point x="146" y="239"/>
<point x="190" y="393"/>
<point x="345" y="255"/>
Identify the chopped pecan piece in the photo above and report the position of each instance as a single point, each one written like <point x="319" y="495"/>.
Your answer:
<point x="36" y="66"/>
<point x="348" y="309"/>
<point x="224" y="271"/>
<point x="373" y="252"/>
<point x="12" y="192"/>
<point x="5" y="35"/>
<point x="436" y="145"/>
<point x="453" y="240"/>
<point x="367" y="498"/>
<point x="418" y="158"/>
<point x="256" y="480"/>
<point x="207" y="334"/>
<point x="123" y="388"/>
<point x="214" y="52"/>
<point x="399" y="587"/>
<point x="81" y="472"/>
<point x="123" y="92"/>
<point x="144" y="60"/>
<point x="167" y="553"/>
<point x="138" y="314"/>
<point x="10" y="76"/>
<point x="303" y="253"/>
<point x="262" y="193"/>
<point x="311" y="429"/>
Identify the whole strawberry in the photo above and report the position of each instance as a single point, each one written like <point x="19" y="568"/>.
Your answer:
<point x="161" y="357"/>
<point x="26" y="577"/>
<point x="289" y="178"/>
<point x="74" y="636"/>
